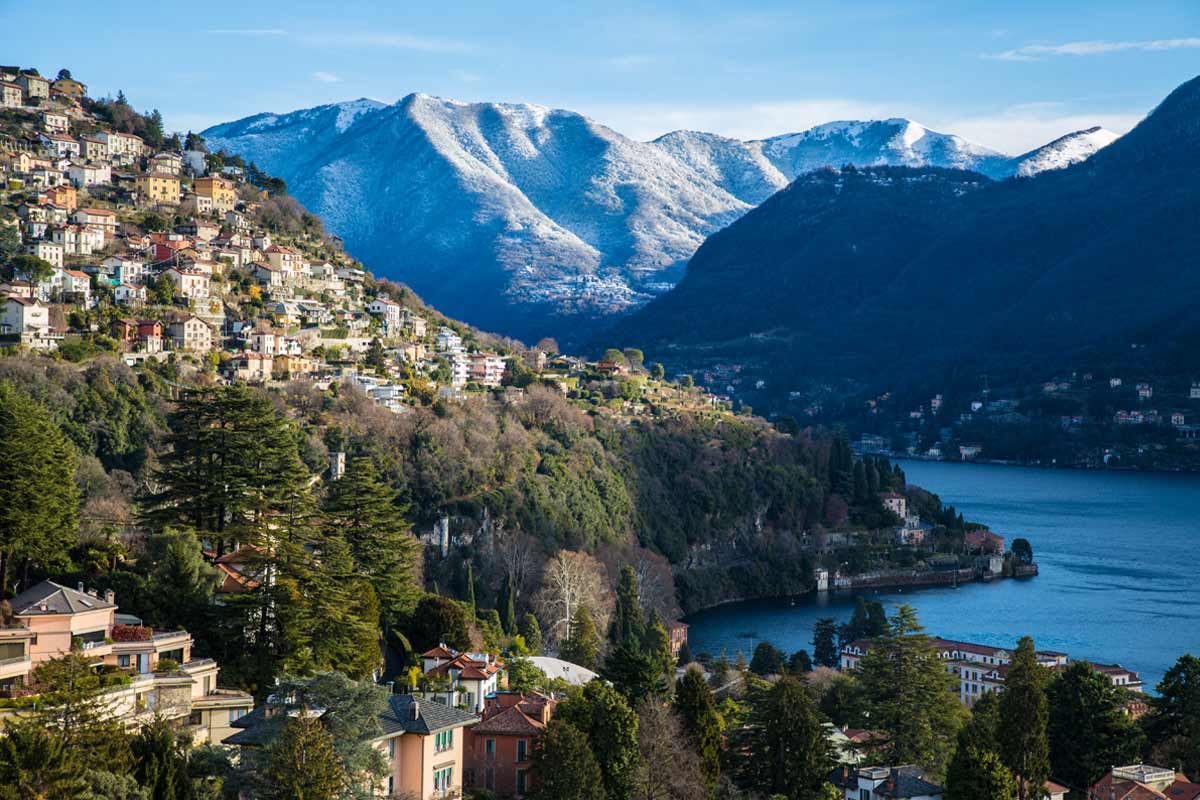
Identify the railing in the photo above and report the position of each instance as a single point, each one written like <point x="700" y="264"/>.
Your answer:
<point x="6" y="662"/>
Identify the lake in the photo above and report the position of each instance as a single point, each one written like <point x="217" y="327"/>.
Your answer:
<point x="1118" y="552"/>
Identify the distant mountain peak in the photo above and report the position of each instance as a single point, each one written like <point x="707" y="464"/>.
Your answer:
<point x="1064" y="151"/>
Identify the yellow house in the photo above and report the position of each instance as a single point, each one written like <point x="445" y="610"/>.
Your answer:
<point x="220" y="191"/>
<point x="155" y="188"/>
<point x="421" y="742"/>
<point x="69" y="87"/>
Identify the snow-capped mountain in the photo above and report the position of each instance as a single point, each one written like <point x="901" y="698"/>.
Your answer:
<point x="530" y="220"/>
<point x="1063" y="151"/>
<point x="889" y="142"/>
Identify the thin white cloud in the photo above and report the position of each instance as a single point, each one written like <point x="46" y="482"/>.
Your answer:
<point x="465" y="76"/>
<point x="325" y="77"/>
<point x="1037" y="52"/>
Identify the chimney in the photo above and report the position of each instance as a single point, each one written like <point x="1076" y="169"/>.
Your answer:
<point x="416" y="714"/>
<point x="110" y="597"/>
<point x="79" y="586"/>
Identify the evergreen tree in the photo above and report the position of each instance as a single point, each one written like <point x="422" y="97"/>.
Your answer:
<point x="800" y="663"/>
<point x="766" y="660"/>
<point x="911" y="696"/>
<point x="343" y="612"/>
<point x="73" y="706"/>
<point x="368" y="515"/>
<point x="976" y="766"/>
<point x="35" y="763"/>
<point x="611" y="726"/>
<point x="628" y="621"/>
<point x="685" y="655"/>
<point x="439" y="620"/>
<point x="160" y="754"/>
<point x="563" y="765"/>
<point x="1024" y="746"/>
<point x="824" y="642"/>
<point x="472" y="609"/>
<point x="1087" y="730"/>
<point x="582" y="646"/>
<point x="532" y="632"/>
<point x="634" y="671"/>
<point x="38" y="496"/>
<point x="302" y="764"/>
<point x="702" y="723"/>
<point x="180" y="584"/>
<point x="787" y="752"/>
<point x="1174" y="721"/>
<point x="976" y="774"/>
<point x="508" y="613"/>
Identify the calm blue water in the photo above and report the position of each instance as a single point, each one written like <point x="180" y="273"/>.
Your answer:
<point x="1119" y="555"/>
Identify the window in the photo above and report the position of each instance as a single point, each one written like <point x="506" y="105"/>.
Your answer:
<point x="195" y="718"/>
<point x="391" y="785"/>
<point x="443" y="779"/>
<point x="864" y="794"/>
<point x="521" y="781"/>
<point x="236" y="714"/>
<point x="522" y="750"/>
<point x="489" y="747"/>
<point x="391" y="748"/>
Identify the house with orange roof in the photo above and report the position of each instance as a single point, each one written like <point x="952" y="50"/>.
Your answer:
<point x="1144" y="782"/>
<point x="459" y="679"/>
<point x="498" y="748"/>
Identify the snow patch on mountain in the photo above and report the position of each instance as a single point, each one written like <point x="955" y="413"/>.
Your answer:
<point x="1063" y="152"/>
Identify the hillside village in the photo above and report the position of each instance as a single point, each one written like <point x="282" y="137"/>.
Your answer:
<point x="164" y="253"/>
<point x="120" y="241"/>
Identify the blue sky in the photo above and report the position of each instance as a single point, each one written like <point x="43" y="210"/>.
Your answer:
<point x="1010" y="75"/>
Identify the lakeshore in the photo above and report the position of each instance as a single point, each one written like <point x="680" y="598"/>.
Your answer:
<point x="1114" y="551"/>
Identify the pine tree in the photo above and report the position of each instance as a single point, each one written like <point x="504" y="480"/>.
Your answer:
<point x="35" y="762"/>
<point x="702" y="723"/>
<point x="1087" y="729"/>
<point x="38" y="496"/>
<point x="302" y="764"/>
<point x="343" y="612"/>
<point x="976" y="774"/>
<point x="976" y="769"/>
<point x="1174" y="722"/>
<point x="582" y="646"/>
<point x="369" y="516"/>
<point x="911" y="695"/>
<point x="787" y="752"/>
<point x="1024" y="746"/>
<point x="564" y="767"/>
<point x="611" y="726"/>
<point x="161" y="754"/>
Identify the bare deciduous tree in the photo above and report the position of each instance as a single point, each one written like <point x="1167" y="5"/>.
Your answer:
<point x="669" y="769"/>
<point x="572" y="579"/>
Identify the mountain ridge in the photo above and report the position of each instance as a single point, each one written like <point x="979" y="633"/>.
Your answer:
<point x="540" y="221"/>
<point x="870" y="274"/>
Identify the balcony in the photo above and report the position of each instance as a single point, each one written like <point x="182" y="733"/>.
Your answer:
<point x="15" y="666"/>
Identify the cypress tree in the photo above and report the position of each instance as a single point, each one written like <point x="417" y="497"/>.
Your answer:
<point x="1024" y="746"/>
<point x="628" y="625"/>
<point x="532" y="633"/>
<point x="824" y="641"/>
<point x="508" y="614"/>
